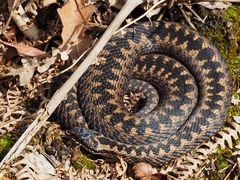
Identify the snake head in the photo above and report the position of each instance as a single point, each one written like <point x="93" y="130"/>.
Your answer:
<point x="93" y="141"/>
<point x="88" y="137"/>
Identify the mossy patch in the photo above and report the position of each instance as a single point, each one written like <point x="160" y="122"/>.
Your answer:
<point x="6" y="142"/>
<point x="232" y="13"/>
<point x="238" y="141"/>
<point x="221" y="163"/>
<point x="81" y="161"/>
<point x="223" y="29"/>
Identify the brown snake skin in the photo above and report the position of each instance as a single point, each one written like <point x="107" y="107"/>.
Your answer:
<point x="188" y="74"/>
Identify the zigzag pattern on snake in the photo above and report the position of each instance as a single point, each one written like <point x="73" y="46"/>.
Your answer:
<point x="188" y="74"/>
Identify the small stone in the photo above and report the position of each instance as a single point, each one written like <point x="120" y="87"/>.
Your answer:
<point x="142" y="170"/>
<point x="64" y="56"/>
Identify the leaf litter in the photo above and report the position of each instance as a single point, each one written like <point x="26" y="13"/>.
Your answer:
<point x="27" y="75"/>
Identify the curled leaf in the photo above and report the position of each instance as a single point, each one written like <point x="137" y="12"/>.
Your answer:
<point x="24" y="50"/>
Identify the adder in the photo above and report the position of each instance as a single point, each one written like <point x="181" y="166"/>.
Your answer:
<point x="186" y="87"/>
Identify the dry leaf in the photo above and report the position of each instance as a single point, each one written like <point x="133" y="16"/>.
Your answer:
<point x="76" y="49"/>
<point x="48" y="2"/>
<point x="20" y="17"/>
<point x="43" y="67"/>
<point x="117" y="3"/>
<point x="25" y="73"/>
<point x="9" y="126"/>
<point x="11" y="112"/>
<point x="237" y="119"/>
<point x="13" y="97"/>
<point x="121" y="168"/>
<point x="73" y="21"/>
<point x="24" y="50"/>
<point x="189" y="165"/>
<point x="36" y="166"/>
<point x="215" y="5"/>
<point x="10" y="34"/>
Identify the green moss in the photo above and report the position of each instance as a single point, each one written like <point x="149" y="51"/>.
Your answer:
<point x="238" y="141"/>
<point x="221" y="163"/>
<point x="6" y="142"/>
<point x="224" y="32"/>
<point x="233" y="111"/>
<point x="221" y="159"/>
<point x="228" y="49"/>
<point x="232" y="13"/>
<point x="232" y="49"/>
<point x="82" y="161"/>
<point x="223" y="153"/>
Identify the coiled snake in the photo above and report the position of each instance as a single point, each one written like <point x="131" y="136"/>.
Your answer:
<point x="183" y="70"/>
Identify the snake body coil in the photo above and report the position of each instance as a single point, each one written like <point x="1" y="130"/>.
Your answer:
<point x="189" y="76"/>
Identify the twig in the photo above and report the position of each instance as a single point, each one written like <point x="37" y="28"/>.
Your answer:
<point x="74" y="63"/>
<point x="140" y="17"/>
<point x="80" y="12"/>
<point x="14" y="6"/>
<point x="227" y="176"/>
<point x="44" y="114"/>
<point x="161" y="15"/>
<point x="195" y="14"/>
<point x="186" y="17"/>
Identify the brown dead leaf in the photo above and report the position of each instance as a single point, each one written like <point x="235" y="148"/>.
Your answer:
<point x="10" y="35"/>
<point x="24" y="50"/>
<point x="79" y="47"/>
<point x="73" y="16"/>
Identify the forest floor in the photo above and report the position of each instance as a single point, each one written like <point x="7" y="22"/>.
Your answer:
<point x="35" y="47"/>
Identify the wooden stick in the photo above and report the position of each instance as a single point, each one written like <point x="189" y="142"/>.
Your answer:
<point x="140" y="17"/>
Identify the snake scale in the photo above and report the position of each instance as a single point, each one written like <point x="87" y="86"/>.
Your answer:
<point x="182" y="69"/>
